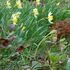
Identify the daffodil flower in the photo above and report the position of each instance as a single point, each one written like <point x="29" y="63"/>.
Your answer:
<point x="8" y="4"/>
<point x="15" y="20"/>
<point x="35" y="12"/>
<point x="19" y="4"/>
<point x="15" y="17"/>
<point x="37" y="2"/>
<point x="50" y="17"/>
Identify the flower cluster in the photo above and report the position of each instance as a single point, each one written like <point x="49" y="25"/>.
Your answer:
<point x="18" y="4"/>
<point x="36" y="13"/>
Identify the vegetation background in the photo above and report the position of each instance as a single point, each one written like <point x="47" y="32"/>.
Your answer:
<point x="34" y="46"/>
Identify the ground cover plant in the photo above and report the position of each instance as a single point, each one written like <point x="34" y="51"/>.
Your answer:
<point x="34" y="34"/>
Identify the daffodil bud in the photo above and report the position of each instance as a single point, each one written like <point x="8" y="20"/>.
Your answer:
<point x="50" y="17"/>
<point x="23" y="28"/>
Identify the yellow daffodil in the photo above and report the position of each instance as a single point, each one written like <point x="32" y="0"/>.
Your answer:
<point x="8" y="4"/>
<point x="37" y="2"/>
<point x="23" y="28"/>
<point x="17" y="14"/>
<point x="35" y="12"/>
<point x="15" y="17"/>
<point x="19" y="4"/>
<point x="50" y="17"/>
<point x="15" y="20"/>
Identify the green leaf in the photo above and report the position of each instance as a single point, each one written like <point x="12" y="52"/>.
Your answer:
<point x="68" y="64"/>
